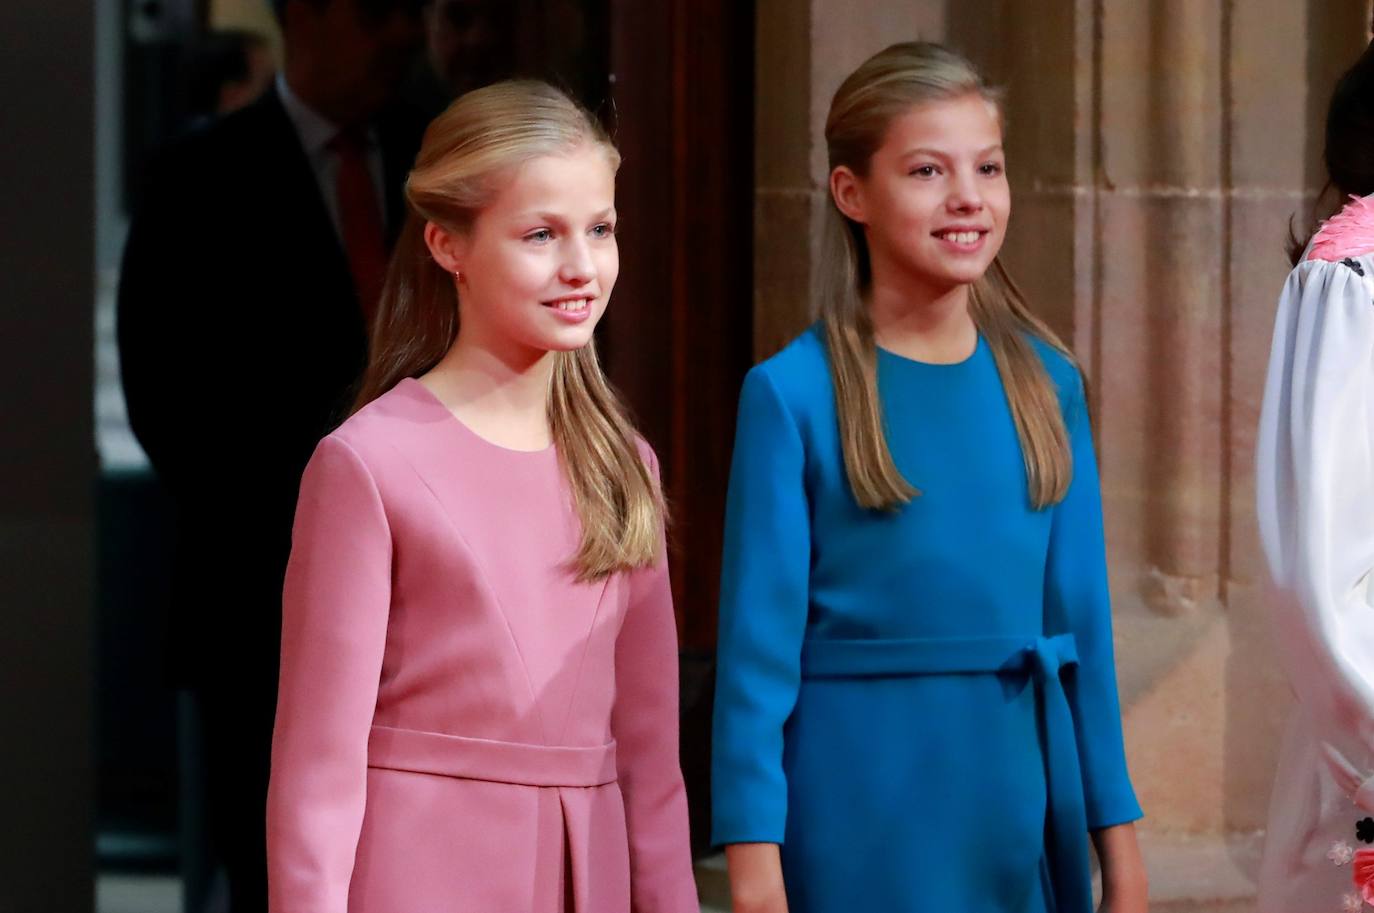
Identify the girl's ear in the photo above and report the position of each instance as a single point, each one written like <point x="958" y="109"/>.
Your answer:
<point x="848" y="194"/>
<point x="449" y="250"/>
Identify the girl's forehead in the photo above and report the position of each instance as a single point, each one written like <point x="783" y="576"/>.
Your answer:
<point x="965" y="120"/>
<point x="580" y="180"/>
<point x="584" y="168"/>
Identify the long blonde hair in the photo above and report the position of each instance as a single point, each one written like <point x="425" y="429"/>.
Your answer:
<point x="882" y="88"/>
<point x="468" y="154"/>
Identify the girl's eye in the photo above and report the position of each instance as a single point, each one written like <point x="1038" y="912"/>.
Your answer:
<point x="604" y="230"/>
<point x="923" y="171"/>
<point x="539" y="236"/>
<point x="991" y="169"/>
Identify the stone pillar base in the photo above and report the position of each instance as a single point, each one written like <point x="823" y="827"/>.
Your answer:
<point x="1197" y="874"/>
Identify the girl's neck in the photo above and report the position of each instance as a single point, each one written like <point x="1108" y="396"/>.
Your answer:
<point x="500" y="391"/>
<point x="921" y="322"/>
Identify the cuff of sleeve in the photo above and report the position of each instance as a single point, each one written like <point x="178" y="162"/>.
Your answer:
<point x="1109" y="811"/>
<point x="726" y="829"/>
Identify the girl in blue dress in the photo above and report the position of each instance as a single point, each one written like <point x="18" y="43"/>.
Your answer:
<point x="916" y="704"/>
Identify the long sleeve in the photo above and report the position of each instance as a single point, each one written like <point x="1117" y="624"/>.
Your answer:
<point x="335" y="607"/>
<point x="166" y="341"/>
<point x="644" y="722"/>
<point x="183" y="342"/>
<point x="1077" y="601"/>
<point x="1315" y="499"/>
<point x="765" y="581"/>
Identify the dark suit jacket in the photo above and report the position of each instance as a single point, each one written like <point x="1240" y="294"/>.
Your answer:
<point x="241" y="340"/>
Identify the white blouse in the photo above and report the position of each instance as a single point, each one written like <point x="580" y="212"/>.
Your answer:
<point x="1315" y="501"/>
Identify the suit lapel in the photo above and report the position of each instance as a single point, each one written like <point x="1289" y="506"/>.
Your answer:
<point x="296" y="196"/>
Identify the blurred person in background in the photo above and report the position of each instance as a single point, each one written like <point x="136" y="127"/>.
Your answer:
<point x="225" y="71"/>
<point x="254" y="262"/>
<point x="468" y="44"/>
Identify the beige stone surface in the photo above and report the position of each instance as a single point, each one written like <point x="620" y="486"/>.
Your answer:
<point x="1206" y="874"/>
<point x="1203" y="733"/>
<point x="785" y="230"/>
<point x="1161" y="93"/>
<point x="1257" y="270"/>
<point x="1172" y="738"/>
<point x="1041" y="256"/>
<point x="1159" y="395"/>
<point x="1270" y="122"/>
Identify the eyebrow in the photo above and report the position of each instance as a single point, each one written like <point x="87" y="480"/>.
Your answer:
<point x="601" y="216"/>
<point x="936" y="153"/>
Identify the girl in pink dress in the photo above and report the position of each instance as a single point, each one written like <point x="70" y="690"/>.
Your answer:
<point x="478" y="702"/>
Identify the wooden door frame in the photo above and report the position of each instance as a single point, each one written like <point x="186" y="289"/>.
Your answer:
<point x="679" y="335"/>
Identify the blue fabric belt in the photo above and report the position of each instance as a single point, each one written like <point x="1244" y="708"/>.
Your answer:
<point x="1043" y="659"/>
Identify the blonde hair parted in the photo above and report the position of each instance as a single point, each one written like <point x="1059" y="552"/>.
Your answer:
<point x="469" y="153"/>
<point x="884" y="87"/>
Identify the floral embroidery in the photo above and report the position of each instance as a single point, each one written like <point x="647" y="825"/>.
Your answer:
<point x="1353" y="264"/>
<point x="1364" y="830"/>
<point x="1361" y="864"/>
<point x="1363" y="874"/>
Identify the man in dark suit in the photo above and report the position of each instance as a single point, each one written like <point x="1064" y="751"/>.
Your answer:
<point x="253" y="260"/>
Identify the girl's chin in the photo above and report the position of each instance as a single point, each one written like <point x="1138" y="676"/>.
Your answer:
<point x="555" y="349"/>
<point x="956" y="274"/>
<point x="570" y="340"/>
<point x="947" y="273"/>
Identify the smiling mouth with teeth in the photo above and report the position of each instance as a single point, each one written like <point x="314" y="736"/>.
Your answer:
<point x="570" y="304"/>
<point x="960" y="237"/>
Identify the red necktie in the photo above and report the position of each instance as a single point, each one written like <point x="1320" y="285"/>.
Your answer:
<point x="360" y="220"/>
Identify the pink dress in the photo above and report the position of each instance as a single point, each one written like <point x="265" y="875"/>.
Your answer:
<point x="461" y="726"/>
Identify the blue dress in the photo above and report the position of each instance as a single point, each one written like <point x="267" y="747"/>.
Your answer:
<point x="919" y="706"/>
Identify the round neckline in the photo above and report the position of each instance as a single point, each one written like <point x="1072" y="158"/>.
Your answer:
<point x="434" y="400"/>
<point x="978" y="346"/>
